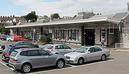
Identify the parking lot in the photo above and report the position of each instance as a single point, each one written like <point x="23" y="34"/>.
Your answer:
<point x="117" y="63"/>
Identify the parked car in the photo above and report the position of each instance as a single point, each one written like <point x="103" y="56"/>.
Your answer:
<point x="19" y="43"/>
<point x="25" y="43"/>
<point x="85" y="54"/>
<point x="3" y="37"/>
<point x="28" y="59"/>
<point x="58" y="48"/>
<point x="17" y="38"/>
<point x="9" y="49"/>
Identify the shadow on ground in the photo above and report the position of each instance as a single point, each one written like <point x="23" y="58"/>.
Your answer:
<point x="92" y="62"/>
<point x="67" y="66"/>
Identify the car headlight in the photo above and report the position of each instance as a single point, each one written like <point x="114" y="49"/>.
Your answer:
<point x="72" y="58"/>
<point x="68" y="57"/>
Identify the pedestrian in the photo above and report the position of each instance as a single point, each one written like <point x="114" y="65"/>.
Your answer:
<point x="103" y="41"/>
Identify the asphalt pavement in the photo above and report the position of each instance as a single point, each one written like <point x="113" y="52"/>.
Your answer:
<point x="5" y="69"/>
<point x="117" y="63"/>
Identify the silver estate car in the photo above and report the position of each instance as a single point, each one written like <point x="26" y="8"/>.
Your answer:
<point x="28" y="59"/>
<point x="57" y="48"/>
<point x="85" y="54"/>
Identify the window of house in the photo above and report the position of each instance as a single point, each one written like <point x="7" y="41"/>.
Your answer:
<point x="63" y="36"/>
<point x="102" y="34"/>
<point x="73" y="34"/>
<point x="77" y="34"/>
<point x="69" y="34"/>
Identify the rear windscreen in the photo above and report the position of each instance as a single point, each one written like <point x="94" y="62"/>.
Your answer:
<point x="14" y="53"/>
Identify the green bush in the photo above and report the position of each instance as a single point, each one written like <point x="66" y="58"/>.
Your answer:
<point x="45" y="40"/>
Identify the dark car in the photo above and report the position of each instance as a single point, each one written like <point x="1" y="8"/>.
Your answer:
<point x="3" y="37"/>
<point x="25" y="43"/>
<point x="20" y="43"/>
<point x="9" y="49"/>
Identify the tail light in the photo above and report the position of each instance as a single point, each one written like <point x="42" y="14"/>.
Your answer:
<point x="14" y="60"/>
<point x="7" y="55"/>
<point x="51" y="48"/>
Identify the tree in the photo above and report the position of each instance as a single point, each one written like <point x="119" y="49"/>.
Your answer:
<point x="32" y="17"/>
<point x="46" y="18"/>
<point x="55" y="16"/>
<point x="4" y="30"/>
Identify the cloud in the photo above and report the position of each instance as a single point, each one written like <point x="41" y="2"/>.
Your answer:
<point x="71" y="7"/>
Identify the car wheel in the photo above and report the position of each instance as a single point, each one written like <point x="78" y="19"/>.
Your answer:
<point x="80" y="61"/>
<point x="103" y="57"/>
<point x="26" y="68"/>
<point x="60" y="63"/>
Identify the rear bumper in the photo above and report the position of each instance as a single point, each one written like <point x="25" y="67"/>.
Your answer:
<point x="15" y="66"/>
<point x="6" y="59"/>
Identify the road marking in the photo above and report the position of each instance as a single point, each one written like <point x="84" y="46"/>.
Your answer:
<point x="12" y="69"/>
<point x="9" y="68"/>
<point x="3" y="63"/>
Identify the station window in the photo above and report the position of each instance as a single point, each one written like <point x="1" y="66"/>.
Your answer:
<point x="71" y="34"/>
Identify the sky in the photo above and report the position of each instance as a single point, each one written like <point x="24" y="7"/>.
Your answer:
<point x="63" y="7"/>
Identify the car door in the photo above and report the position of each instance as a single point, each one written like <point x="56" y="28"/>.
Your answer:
<point x="94" y="53"/>
<point x="47" y="59"/>
<point x="98" y="53"/>
<point x="36" y="58"/>
<point x="90" y="55"/>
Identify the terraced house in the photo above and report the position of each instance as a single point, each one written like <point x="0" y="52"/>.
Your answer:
<point x="86" y="28"/>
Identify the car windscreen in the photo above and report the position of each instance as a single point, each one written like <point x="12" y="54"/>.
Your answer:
<point x="14" y="53"/>
<point x="81" y="49"/>
<point x="23" y="43"/>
